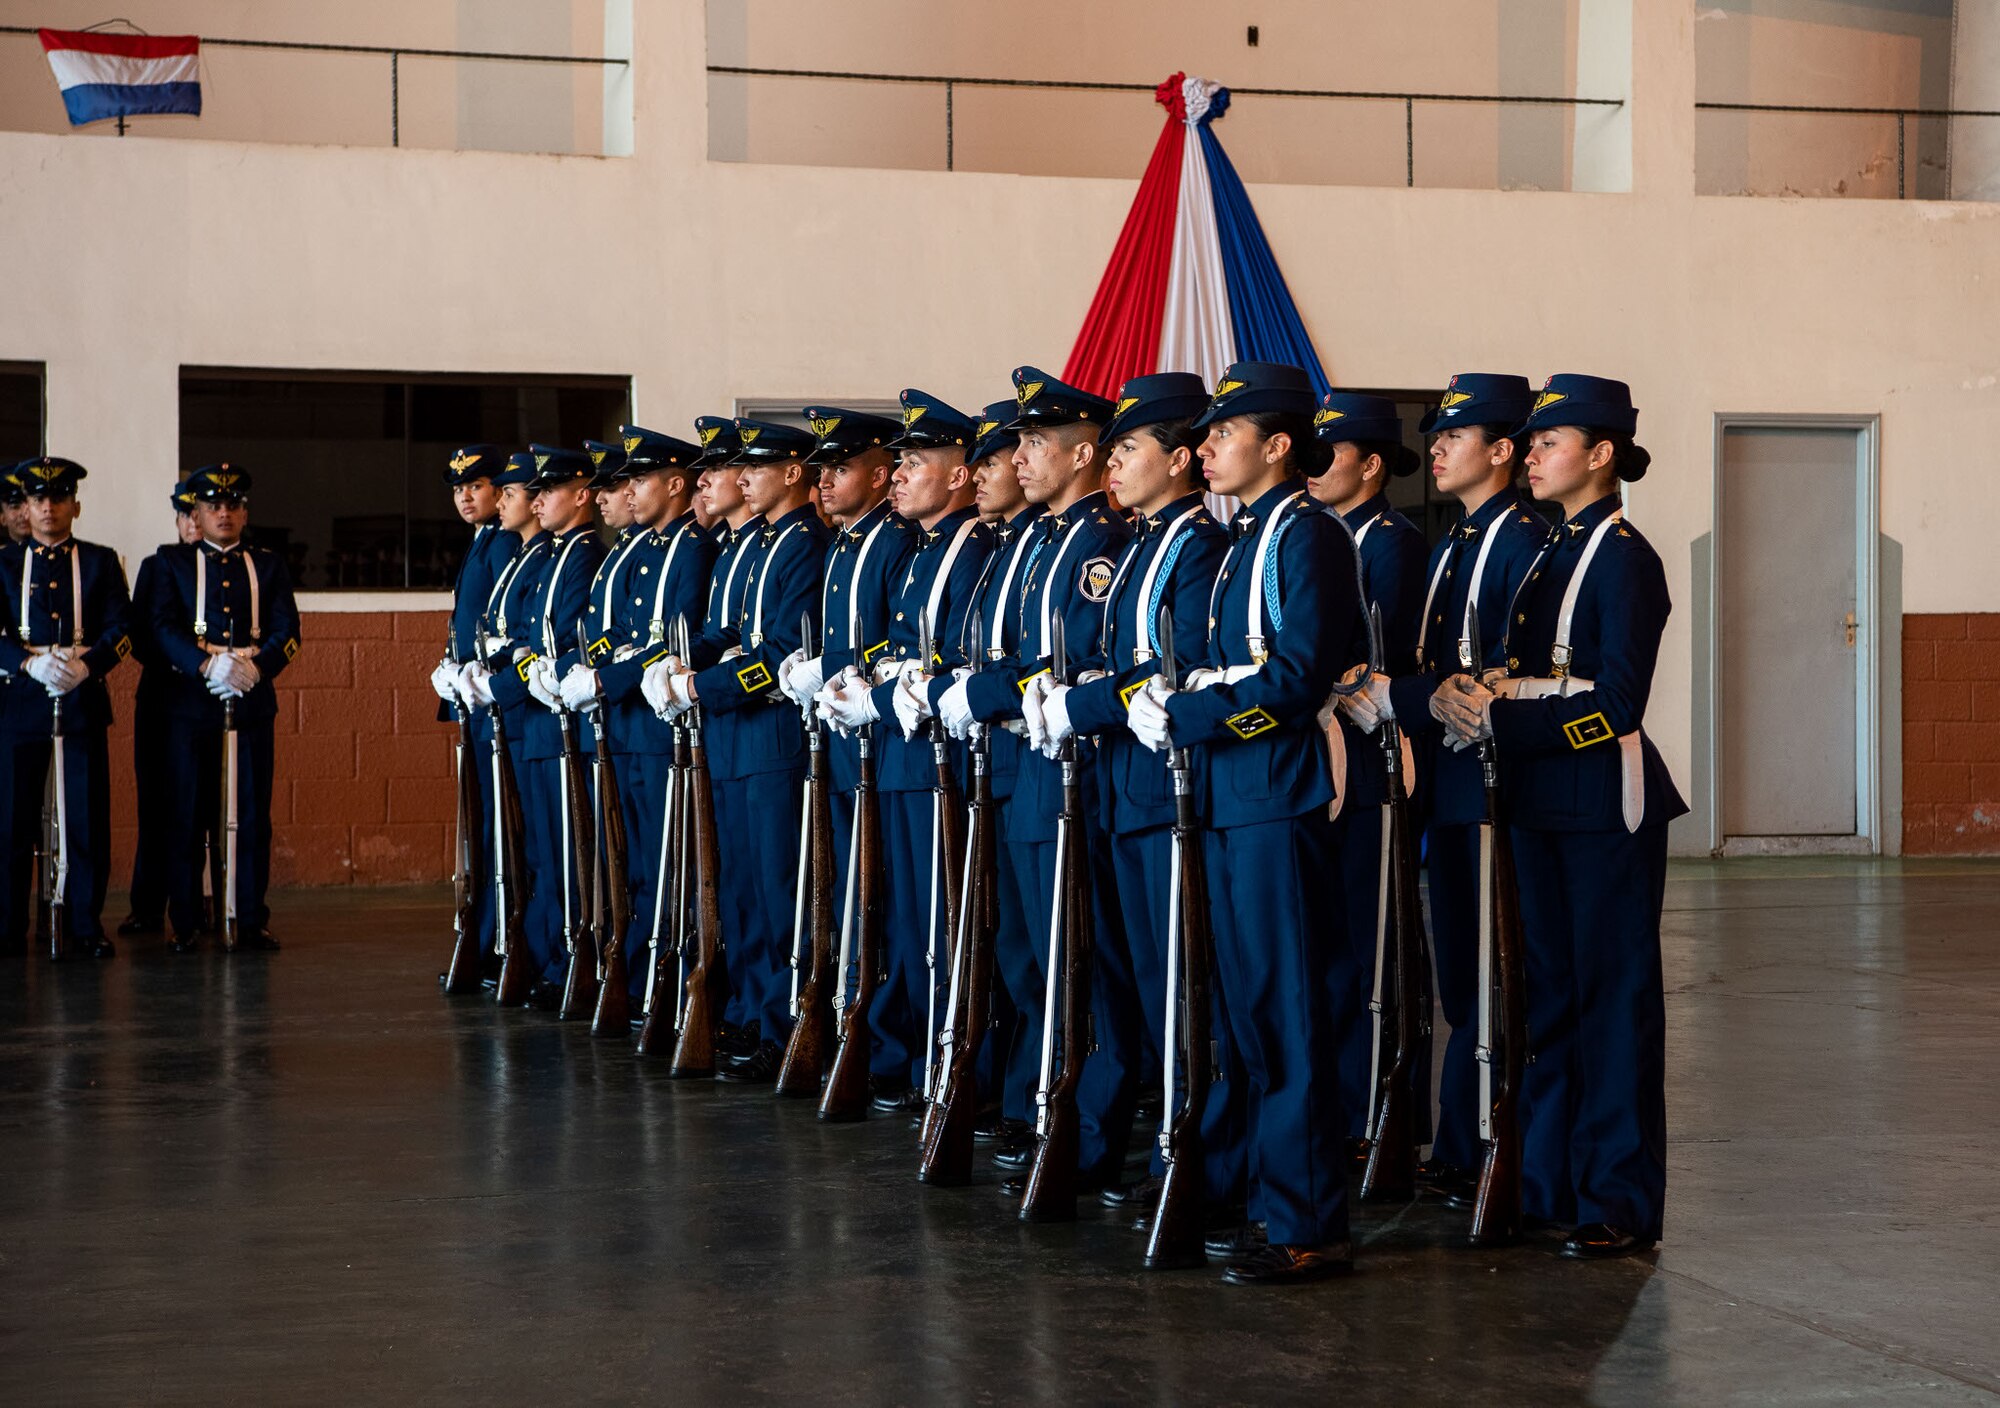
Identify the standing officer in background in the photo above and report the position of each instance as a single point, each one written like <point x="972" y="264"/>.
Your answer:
<point x="1363" y="435"/>
<point x="63" y="627"/>
<point x="150" y="737"/>
<point x="221" y="614"/>
<point x="1474" y="571"/>
<point x="1588" y="801"/>
<point x="660" y="576"/>
<point x="756" y="748"/>
<point x="1286" y="607"/>
<point x="469" y="474"/>
<point x="14" y="504"/>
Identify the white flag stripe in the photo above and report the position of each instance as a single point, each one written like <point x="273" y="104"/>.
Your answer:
<point x="1195" y="333"/>
<point x="76" y="66"/>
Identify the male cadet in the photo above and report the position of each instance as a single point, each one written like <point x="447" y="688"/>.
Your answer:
<point x="932" y="492"/>
<point x="469" y="474"/>
<point x="1364" y="436"/>
<point x="1067" y="576"/>
<point x="501" y="631"/>
<point x="221" y="614"/>
<point x="150" y="739"/>
<point x="63" y="619"/>
<point x="756" y="747"/>
<point x="871" y="549"/>
<point x="657" y="575"/>
<point x="14" y="504"/>
<point x="1167" y="569"/>
<point x="1476" y="567"/>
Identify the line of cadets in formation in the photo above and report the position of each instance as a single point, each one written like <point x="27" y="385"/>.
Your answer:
<point x="211" y="621"/>
<point x="1005" y="520"/>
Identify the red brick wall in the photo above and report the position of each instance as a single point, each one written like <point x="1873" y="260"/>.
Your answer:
<point x="363" y="793"/>
<point x="1951" y="734"/>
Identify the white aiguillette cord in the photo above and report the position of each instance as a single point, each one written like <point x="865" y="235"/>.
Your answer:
<point x="201" y="552"/>
<point x="76" y="594"/>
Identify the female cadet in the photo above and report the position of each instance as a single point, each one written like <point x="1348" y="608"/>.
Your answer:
<point x="1364" y="437"/>
<point x="1588" y="805"/>
<point x="1286" y="608"/>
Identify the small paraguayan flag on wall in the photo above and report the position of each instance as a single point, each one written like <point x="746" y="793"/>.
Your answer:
<point x="123" y="75"/>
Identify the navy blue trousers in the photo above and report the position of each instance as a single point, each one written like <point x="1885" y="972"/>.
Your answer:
<point x="1018" y="953"/>
<point x="757" y="824"/>
<point x="193" y="777"/>
<point x="902" y="1012"/>
<point x="547" y="850"/>
<point x="1453" y="865"/>
<point x="642" y="788"/>
<point x="87" y="801"/>
<point x="1593" y="1106"/>
<point x="1277" y="930"/>
<point x="482" y="851"/>
<point x="151" y="732"/>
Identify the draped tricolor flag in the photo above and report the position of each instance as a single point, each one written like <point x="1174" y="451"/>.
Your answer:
<point x="121" y="75"/>
<point x="1192" y="285"/>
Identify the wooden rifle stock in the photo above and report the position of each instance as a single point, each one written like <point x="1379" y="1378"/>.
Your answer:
<point x="612" y="905"/>
<point x="579" y="994"/>
<point x="1496" y="1203"/>
<point x="812" y="1031"/>
<point x="55" y="865"/>
<point x="948" y="1138"/>
<point x="663" y="1012"/>
<point x="1051" y="1191"/>
<point x="510" y="897"/>
<point x="462" y="973"/>
<point x="1178" y="1227"/>
<point x="1391" y="1171"/>
<point x="707" y="979"/>
<point x="846" y="1095"/>
<point x="949" y="801"/>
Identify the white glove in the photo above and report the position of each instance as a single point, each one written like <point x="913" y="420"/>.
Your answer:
<point x="1055" y="718"/>
<point x="1031" y="711"/>
<point x="229" y="677"/>
<point x="579" y="688"/>
<point x="913" y="703"/>
<point x="444" y="680"/>
<point x="1202" y="678"/>
<point x="69" y="674"/>
<point x="1368" y="708"/>
<point x="653" y="684"/>
<point x="954" y="709"/>
<point x="1465" y="707"/>
<point x="680" y="695"/>
<point x="542" y="682"/>
<point x="45" y="670"/>
<point x="846" y="703"/>
<point x="1147" y="715"/>
<point x="475" y="685"/>
<point x="802" y="678"/>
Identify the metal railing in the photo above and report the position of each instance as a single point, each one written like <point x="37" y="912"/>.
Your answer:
<point x="395" y="54"/>
<point x="1902" y="116"/>
<point x="952" y="82"/>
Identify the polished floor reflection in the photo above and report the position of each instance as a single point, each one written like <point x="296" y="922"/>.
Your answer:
<point x="312" y="1179"/>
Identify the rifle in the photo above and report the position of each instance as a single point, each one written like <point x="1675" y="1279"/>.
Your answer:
<point x="226" y="899"/>
<point x="1177" y="1228"/>
<point x="948" y="1138"/>
<point x="1400" y="1005"/>
<point x="1502" y="1052"/>
<point x="579" y="993"/>
<point x="707" y="983"/>
<point x="55" y="840"/>
<point x="669" y="905"/>
<point x="610" y="876"/>
<point x="1051" y="1190"/>
<point x="510" y="865"/>
<point x="812" y="923"/>
<point x="949" y="882"/>
<point x="461" y="974"/>
<point x="846" y="1095"/>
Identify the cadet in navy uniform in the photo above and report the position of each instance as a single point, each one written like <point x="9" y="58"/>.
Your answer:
<point x="1473" y="572"/>
<point x="756" y="747"/>
<point x="14" y="504"/>
<point x="660" y="575"/>
<point x="1067" y="574"/>
<point x="469" y="475"/>
<point x="537" y="607"/>
<point x="1364" y="437"/>
<point x="1285" y="612"/>
<point x="1588" y="801"/>
<point x="148" y="898"/>
<point x="1168" y="568"/>
<point x="932" y="493"/>
<point x="221" y="614"/>
<point x="1013" y="1050"/>
<point x="64" y="617"/>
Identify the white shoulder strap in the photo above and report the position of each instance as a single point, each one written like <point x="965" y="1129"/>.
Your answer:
<point x="1566" y="616"/>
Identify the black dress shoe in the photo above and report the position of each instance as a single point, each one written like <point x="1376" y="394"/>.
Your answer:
<point x="1600" y="1241"/>
<point x="545" y="997"/>
<point x="1015" y="1187"/>
<point x="1435" y="1170"/>
<point x="888" y="1100"/>
<point x="257" y="939"/>
<point x="1235" y="1241"/>
<point x="732" y="1041"/>
<point x="1015" y="1155"/>
<point x="999" y="1130"/>
<point x="182" y="943"/>
<point x="1131" y="1195"/>
<point x="1282" y="1265"/>
<point x="99" y="947"/>
<point x="139" y="924"/>
<point x="760" y="1067"/>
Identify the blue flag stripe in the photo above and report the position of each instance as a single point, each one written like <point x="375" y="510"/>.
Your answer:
<point x="93" y="102"/>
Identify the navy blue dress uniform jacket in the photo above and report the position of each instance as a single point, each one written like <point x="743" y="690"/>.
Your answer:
<point x="25" y="706"/>
<point x="779" y="584"/>
<point x="509" y="622"/>
<point x="1070" y="562"/>
<point x="544" y="600"/>
<point x="663" y="576"/>
<point x="492" y="548"/>
<point x="1269" y="759"/>
<point x="171" y="614"/>
<point x="1392" y="579"/>
<point x="1455" y="789"/>
<point x="1188" y="545"/>
<point x="860" y="588"/>
<point x="1561" y="759"/>
<point x="1012" y="541"/>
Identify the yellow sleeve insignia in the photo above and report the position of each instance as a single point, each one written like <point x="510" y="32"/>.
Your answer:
<point x="1592" y="728"/>
<point x="753" y="678"/>
<point x="1250" y="723"/>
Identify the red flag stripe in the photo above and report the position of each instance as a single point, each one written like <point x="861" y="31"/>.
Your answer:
<point x="128" y="46"/>
<point x="1120" y="337"/>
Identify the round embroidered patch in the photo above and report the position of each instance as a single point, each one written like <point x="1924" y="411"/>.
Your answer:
<point x="1095" y="578"/>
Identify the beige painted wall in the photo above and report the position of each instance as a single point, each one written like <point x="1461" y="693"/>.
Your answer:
<point x="712" y="281"/>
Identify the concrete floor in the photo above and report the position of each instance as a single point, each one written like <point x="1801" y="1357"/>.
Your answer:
<point x="311" y="1179"/>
